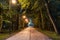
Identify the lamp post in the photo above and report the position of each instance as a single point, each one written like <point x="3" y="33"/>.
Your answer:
<point x="17" y="7"/>
<point x="12" y="2"/>
<point x="24" y="17"/>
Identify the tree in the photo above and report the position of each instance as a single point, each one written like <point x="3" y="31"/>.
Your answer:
<point x="1" y="19"/>
<point x="46" y="4"/>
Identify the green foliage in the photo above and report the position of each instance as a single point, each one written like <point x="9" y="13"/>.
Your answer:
<point x="24" y="3"/>
<point x="32" y="8"/>
<point x="3" y="36"/>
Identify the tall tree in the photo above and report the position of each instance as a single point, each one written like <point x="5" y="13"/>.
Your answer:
<point x="1" y="12"/>
<point x="46" y="4"/>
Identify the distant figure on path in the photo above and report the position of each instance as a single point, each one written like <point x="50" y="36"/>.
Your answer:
<point x="30" y="24"/>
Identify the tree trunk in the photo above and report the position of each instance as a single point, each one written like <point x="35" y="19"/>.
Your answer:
<point x="19" y="21"/>
<point x="42" y="19"/>
<point x="0" y="23"/>
<point x="48" y="13"/>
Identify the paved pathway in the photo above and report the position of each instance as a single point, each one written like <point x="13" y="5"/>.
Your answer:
<point x="29" y="34"/>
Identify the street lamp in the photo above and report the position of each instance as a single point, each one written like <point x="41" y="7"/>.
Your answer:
<point x="13" y="1"/>
<point x="26" y="20"/>
<point x="16" y="5"/>
<point x="23" y="16"/>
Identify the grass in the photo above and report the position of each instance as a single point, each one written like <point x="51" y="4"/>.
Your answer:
<point x="3" y="36"/>
<point x="50" y="34"/>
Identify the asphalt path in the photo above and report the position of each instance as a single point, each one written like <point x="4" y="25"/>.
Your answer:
<point x="29" y="33"/>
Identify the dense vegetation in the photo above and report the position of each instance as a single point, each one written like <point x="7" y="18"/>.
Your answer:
<point x="10" y="15"/>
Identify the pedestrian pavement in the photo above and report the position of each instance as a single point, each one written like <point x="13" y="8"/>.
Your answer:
<point x="29" y="33"/>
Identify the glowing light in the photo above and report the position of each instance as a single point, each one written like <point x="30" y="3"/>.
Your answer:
<point x="26" y="20"/>
<point x="24" y="17"/>
<point x="13" y="1"/>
